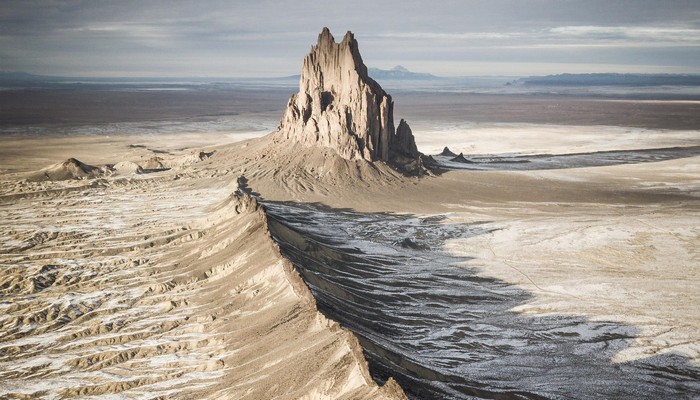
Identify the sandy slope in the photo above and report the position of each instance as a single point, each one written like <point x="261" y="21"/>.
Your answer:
<point x="160" y="286"/>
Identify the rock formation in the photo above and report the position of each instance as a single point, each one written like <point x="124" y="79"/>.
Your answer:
<point x="127" y="168"/>
<point x="461" y="158"/>
<point x="447" y="152"/>
<point x="340" y="107"/>
<point x="66" y="170"/>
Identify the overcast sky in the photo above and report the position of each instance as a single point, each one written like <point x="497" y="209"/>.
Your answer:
<point x="270" y="38"/>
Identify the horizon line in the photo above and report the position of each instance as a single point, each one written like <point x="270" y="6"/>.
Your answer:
<point x="295" y="76"/>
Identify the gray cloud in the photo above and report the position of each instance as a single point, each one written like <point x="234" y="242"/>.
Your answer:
<point x="235" y="38"/>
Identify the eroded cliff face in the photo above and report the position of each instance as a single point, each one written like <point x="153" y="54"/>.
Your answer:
<point x="340" y="107"/>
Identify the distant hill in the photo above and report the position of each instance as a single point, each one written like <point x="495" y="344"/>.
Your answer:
<point x="23" y="80"/>
<point x="610" y="79"/>
<point x="399" y="73"/>
<point x="25" y="77"/>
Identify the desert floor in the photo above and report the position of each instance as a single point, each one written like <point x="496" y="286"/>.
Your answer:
<point x="578" y="278"/>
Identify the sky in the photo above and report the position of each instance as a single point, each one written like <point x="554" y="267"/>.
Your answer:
<point x="264" y="38"/>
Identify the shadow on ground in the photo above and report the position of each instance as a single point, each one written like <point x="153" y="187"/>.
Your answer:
<point x="518" y="162"/>
<point x="444" y="331"/>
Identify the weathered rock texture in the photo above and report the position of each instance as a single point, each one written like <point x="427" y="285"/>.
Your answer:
<point x="339" y="106"/>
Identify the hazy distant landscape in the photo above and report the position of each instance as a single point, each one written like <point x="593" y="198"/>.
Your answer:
<point x="71" y="102"/>
<point x="398" y="77"/>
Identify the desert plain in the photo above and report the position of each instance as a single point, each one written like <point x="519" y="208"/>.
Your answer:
<point x="187" y="253"/>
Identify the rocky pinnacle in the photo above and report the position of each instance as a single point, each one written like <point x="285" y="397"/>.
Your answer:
<point x="340" y="107"/>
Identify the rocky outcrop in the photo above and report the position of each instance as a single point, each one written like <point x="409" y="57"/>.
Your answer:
<point x="447" y="152"/>
<point x="340" y="107"/>
<point x="66" y="170"/>
<point x="461" y="158"/>
<point x="127" y="168"/>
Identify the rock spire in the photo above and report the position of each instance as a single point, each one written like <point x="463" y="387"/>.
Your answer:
<point x="340" y="107"/>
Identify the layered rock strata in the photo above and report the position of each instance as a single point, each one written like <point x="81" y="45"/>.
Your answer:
<point x="340" y="107"/>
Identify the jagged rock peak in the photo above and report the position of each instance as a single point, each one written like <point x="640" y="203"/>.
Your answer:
<point x="447" y="152"/>
<point x="339" y="106"/>
<point x="461" y="158"/>
<point x="333" y="60"/>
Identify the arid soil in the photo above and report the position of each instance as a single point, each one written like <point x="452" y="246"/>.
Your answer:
<point x="156" y="275"/>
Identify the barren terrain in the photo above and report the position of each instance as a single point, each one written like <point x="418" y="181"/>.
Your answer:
<point x="573" y="276"/>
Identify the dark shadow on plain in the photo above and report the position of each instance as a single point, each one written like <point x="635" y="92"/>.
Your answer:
<point x="154" y="170"/>
<point x="243" y="187"/>
<point x="447" y="332"/>
<point x="506" y="162"/>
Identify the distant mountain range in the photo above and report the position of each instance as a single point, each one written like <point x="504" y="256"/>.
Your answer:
<point x="400" y="73"/>
<point x="395" y="75"/>
<point x="20" y="77"/>
<point x="610" y="79"/>
<point x="23" y="79"/>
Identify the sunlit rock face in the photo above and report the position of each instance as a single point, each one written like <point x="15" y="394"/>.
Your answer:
<point x="340" y="107"/>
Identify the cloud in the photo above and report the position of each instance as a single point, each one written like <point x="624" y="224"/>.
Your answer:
<point x="588" y="35"/>
<point x="633" y="34"/>
<point x="449" y="35"/>
<point x="70" y="36"/>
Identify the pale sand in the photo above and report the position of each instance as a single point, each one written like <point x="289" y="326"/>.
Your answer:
<point x="636" y="262"/>
<point x="611" y="243"/>
<point x="493" y="138"/>
<point x="157" y="284"/>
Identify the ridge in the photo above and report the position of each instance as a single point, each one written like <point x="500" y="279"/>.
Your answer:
<point x="244" y="201"/>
